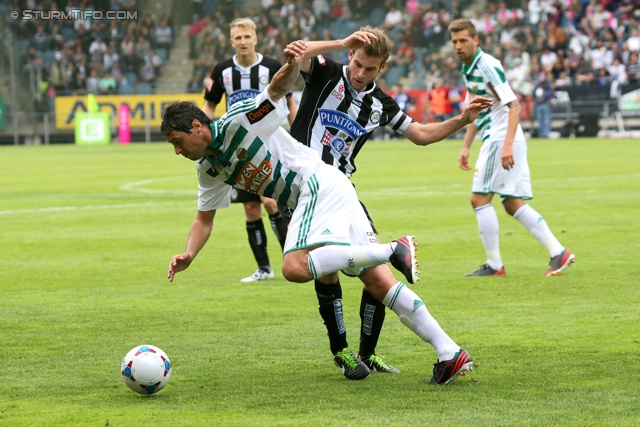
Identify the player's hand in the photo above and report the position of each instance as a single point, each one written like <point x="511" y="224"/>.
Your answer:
<point x="294" y="51"/>
<point x="463" y="160"/>
<point x="178" y="263"/>
<point x="507" y="157"/>
<point x="358" y="39"/>
<point x="475" y="106"/>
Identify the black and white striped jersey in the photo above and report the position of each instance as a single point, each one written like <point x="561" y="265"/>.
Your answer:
<point x="335" y="120"/>
<point x="240" y="83"/>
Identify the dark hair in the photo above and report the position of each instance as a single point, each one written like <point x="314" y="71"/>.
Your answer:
<point x="179" y="116"/>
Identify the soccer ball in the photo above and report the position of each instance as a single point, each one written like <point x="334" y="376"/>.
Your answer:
<point x="146" y="369"/>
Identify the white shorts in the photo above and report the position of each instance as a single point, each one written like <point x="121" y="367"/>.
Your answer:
<point x="328" y="212"/>
<point x="491" y="177"/>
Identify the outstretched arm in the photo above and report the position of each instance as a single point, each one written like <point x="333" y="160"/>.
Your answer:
<point x="425" y="134"/>
<point x="283" y="81"/>
<point x="198" y="236"/>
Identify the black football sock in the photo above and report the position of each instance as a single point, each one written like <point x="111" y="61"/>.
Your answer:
<point x="372" y="314"/>
<point x="279" y="224"/>
<point x="330" y="300"/>
<point x="258" y="243"/>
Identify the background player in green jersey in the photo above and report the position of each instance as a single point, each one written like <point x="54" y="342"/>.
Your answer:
<point x="502" y="166"/>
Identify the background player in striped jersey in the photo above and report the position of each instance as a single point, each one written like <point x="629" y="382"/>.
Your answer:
<point x="329" y="230"/>
<point x="340" y="108"/>
<point x="244" y="76"/>
<point x="502" y="166"/>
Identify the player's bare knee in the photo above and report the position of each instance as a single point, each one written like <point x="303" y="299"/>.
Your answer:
<point x="270" y="205"/>
<point x="512" y="204"/>
<point x="378" y="280"/>
<point x="295" y="270"/>
<point x="295" y="275"/>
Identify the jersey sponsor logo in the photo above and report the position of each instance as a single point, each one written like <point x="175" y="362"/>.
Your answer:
<point x="321" y="60"/>
<point x="342" y="122"/>
<point x="253" y="177"/>
<point x="337" y="95"/>
<point x="208" y="83"/>
<point x="241" y="95"/>
<point x="326" y="138"/>
<point x="260" y="112"/>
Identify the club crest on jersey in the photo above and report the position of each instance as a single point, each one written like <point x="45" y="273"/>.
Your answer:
<point x="339" y="144"/>
<point x="241" y="95"/>
<point x="374" y="117"/>
<point x="341" y="122"/>
<point x="264" y="80"/>
<point x="241" y="154"/>
<point x="252" y="177"/>
<point x="260" y="112"/>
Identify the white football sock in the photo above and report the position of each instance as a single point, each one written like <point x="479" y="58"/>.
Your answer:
<point x="490" y="234"/>
<point x="538" y="227"/>
<point x="333" y="258"/>
<point x="415" y="316"/>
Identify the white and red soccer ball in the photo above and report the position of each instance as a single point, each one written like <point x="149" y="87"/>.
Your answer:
<point x="146" y="369"/>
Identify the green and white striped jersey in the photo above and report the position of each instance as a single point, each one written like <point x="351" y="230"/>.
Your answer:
<point x="485" y="77"/>
<point x="253" y="153"/>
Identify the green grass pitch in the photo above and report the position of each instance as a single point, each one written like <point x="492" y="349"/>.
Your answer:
<point x="86" y="234"/>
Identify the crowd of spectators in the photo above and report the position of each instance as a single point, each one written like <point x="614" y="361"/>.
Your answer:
<point x="569" y="42"/>
<point x="78" y="56"/>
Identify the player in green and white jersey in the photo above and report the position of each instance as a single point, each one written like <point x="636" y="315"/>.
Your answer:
<point x="502" y="166"/>
<point x="329" y="230"/>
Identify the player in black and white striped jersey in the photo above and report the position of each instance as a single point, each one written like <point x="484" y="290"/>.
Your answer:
<point x="340" y="108"/>
<point x="244" y="76"/>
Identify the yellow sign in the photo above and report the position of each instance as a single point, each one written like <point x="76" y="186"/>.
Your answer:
<point x="92" y="104"/>
<point x="143" y="108"/>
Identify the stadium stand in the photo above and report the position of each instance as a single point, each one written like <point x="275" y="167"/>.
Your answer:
<point x="582" y="43"/>
<point x="81" y="45"/>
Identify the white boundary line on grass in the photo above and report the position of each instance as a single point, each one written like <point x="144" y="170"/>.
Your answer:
<point x="439" y="190"/>
<point x="423" y="190"/>
<point x="135" y="186"/>
<point x="83" y="208"/>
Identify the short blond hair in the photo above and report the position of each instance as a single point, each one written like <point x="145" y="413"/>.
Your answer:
<point x="381" y="47"/>
<point x="244" y="23"/>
